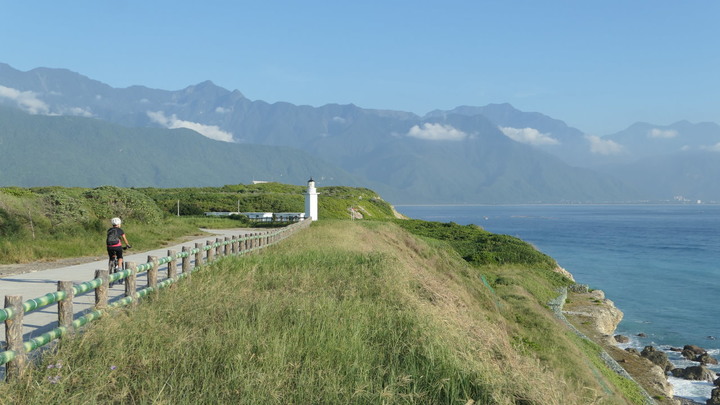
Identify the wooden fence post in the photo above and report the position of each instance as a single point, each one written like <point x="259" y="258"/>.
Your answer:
<point x="152" y="274"/>
<point x="15" y="368"/>
<point x="198" y="255"/>
<point x="131" y="282"/>
<point x="210" y="252"/>
<point x="219" y="248"/>
<point x="65" y="307"/>
<point x="172" y="265"/>
<point x="101" y="293"/>
<point x="186" y="260"/>
<point x="228" y="246"/>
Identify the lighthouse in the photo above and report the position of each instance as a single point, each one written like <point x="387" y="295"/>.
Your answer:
<point x="311" y="201"/>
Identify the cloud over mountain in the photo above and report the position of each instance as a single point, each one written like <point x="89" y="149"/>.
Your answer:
<point x="662" y="133"/>
<point x="436" y="132"/>
<point x="172" y="122"/>
<point x="26" y="100"/>
<point x="528" y="135"/>
<point x="602" y="146"/>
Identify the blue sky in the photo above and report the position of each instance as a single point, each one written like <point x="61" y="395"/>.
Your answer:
<point x="597" y="65"/>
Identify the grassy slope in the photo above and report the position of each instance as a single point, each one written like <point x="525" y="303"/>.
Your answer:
<point x="345" y="312"/>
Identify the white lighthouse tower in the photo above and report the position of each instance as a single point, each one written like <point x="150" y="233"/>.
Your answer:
<point x="311" y="201"/>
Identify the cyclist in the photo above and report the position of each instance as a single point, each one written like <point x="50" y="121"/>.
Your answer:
<point x="115" y="237"/>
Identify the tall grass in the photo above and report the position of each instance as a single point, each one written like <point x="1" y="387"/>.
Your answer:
<point x="344" y="312"/>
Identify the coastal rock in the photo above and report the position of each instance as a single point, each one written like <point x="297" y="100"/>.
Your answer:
<point x="579" y="288"/>
<point x="657" y="357"/>
<point x="706" y="359"/>
<point x="691" y="352"/>
<point x="606" y="315"/>
<point x="564" y="272"/>
<point x="695" y="373"/>
<point x="714" y="397"/>
<point x="657" y="378"/>
<point x="621" y="339"/>
<point x="600" y="312"/>
<point x="633" y="350"/>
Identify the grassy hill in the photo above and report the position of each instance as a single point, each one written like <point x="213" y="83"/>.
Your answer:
<point x="344" y="312"/>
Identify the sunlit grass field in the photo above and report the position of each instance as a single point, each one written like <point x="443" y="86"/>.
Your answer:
<point x="342" y="313"/>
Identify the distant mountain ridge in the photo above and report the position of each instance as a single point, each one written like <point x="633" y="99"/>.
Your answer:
<point x="38" y="150"/>
<point x="491" y="154"/>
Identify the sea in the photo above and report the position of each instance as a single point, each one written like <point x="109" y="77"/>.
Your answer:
<point x="659" y="264"/>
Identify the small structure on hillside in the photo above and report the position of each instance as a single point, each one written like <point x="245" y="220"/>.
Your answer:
<point x="311" y="201"/>
<point x="311" y="210"/>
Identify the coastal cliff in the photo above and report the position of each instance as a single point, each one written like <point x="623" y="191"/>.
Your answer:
<point x="596" y="317"/>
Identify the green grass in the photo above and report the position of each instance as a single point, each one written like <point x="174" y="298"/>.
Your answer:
<point x="343" y="312"/>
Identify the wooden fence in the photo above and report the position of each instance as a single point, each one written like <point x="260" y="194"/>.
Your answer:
<point x="15" y="357"/>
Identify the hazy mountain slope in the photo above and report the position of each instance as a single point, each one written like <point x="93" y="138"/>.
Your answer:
<point x="643" y="140"/>
<point x="691" y="175"/>
<point x="537" y="130"/>
<point x="71" y="151"/>
<point x="443" y="157"/>
<point x="485" y="167"/>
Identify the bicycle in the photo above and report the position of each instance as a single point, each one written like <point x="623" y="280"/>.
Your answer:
<point x="114" y="267"/>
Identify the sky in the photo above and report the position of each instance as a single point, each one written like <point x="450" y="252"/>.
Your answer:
<point x="599" y="66"/>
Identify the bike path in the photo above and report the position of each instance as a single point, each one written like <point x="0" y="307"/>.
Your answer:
<point x="38" y="283"/>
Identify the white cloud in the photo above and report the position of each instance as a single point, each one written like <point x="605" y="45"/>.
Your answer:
<point x="604" y="146"/>
<point x="340" y="120"/>
<point x="210" y="131"/>
<point x="712" y="148"/>
<point x="222" y="110"/>
<point x="436" y="132"/>
<point x="80" y="112"/>
<point x="529" y="135"/>
<point x="27" y="100"/>
<point x="662" y="133"/>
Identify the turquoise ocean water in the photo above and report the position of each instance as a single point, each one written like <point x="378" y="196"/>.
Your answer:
<point x="658" y="263"/>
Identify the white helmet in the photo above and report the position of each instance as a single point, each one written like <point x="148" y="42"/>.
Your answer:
<point x="116" y="221"/>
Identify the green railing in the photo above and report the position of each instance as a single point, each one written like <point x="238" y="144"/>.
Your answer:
<point x="15" y="356"/>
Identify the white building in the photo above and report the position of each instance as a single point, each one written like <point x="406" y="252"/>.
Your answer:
<point x="311" y="201"/>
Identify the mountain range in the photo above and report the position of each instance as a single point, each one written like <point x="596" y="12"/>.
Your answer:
<point x="67" y="125"/>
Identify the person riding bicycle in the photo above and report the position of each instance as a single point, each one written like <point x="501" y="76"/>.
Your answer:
<point x="115" y="237"/>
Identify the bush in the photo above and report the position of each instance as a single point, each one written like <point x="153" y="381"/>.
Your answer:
<point x="110" y="201"/>
<point x="480" y="247"/>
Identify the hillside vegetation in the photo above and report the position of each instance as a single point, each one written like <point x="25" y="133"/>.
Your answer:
<point x="45" y="223"/>
<point x="344" y="312"/>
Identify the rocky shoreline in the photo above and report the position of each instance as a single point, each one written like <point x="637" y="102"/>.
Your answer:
<point x="595" y="317"/>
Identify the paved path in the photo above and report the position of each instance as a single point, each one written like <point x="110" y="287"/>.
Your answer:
<point x="39" y="283"/>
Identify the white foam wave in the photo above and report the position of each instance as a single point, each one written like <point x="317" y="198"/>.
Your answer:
<point x="698" y="391"/>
